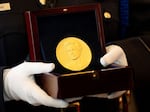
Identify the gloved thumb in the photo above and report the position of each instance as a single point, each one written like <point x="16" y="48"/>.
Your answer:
<point x="19" y="84"/>
<point x="115" y="54"/>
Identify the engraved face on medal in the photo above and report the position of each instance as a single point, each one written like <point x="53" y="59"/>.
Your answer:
<point x="73" y="53"/>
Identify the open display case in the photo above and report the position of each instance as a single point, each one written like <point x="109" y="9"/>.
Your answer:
<point x="72" y="37"/>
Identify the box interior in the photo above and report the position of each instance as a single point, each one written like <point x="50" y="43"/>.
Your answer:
<point x="53" y="28"/>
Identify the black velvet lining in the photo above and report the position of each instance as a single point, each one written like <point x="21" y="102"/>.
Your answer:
<point x="54" y="28"/>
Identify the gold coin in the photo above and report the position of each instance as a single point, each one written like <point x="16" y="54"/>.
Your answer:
<point x="73" y="53"/>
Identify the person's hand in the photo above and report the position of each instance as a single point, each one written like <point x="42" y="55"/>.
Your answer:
<point x="19" y="84"/>
<point x="114" y="54"/>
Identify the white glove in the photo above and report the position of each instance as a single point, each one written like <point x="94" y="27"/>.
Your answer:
<point x="114" y="54"/>
<point x="19" y="84"/>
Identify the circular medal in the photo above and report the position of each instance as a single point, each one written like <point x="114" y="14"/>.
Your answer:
<point x="73" y="53"/>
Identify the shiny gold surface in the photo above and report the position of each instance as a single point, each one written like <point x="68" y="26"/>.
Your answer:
<point x="107" y="15"/>
<point x="73" y="53"/>
<point x="77" y="73"/>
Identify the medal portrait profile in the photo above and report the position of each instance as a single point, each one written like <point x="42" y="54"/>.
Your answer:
<point x="73" y="53"/>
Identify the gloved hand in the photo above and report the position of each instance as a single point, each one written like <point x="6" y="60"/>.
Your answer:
<point x="114" y="54"/>
<point x="19" y="84"/>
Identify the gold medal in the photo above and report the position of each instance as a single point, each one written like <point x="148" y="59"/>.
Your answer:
<point x="73" y="53"/>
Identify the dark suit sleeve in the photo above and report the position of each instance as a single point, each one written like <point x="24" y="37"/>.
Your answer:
<point x="138" y="56"/>
<point x="137" y="50"/>
<point x="1" y="91"/>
